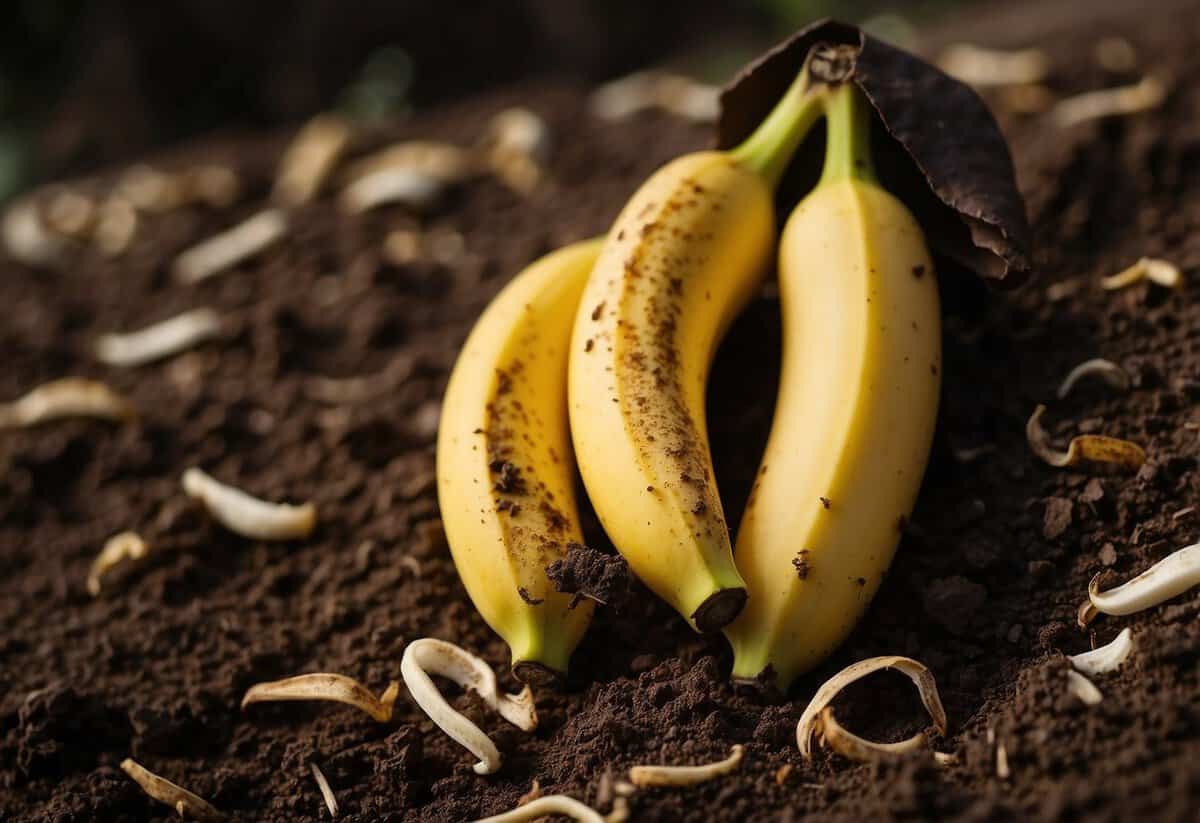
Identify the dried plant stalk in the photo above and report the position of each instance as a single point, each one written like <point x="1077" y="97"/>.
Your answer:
<point x="308" y="160"/>
<point x="644" y="776"/>
<point x="1170" y="577"/>
<point x="326" y="790"/>
<point x="469" y="672"/>
<point x="1106" y="370"/>
<point x="548" y="805"/>
<point x="853" y="747"/>
<point x="1084" y="689"/>
<point x="117" y="549"/>
<point x="916" y="671"/>
<point x="1092" y="447"/>
<point x="1162" y="272"/>
<point x="160" y="340"/>
<point x="67" y="397"/>
<point x="326" y="686"/>
<point x="230" y="247"/>
<point x="1106" y="658"/>
<point x="249" y="516"/>
<point x="993" y="67"/>
<point x="1147" y="94"/>
<point x="185" y="803"/>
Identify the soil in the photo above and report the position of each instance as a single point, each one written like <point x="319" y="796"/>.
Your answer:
<point x="994" y="561"/>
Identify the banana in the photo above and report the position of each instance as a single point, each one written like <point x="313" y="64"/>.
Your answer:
<point x="683" y="257"/>
<point x="855" y="413"/>
<point x="506" y="476"/>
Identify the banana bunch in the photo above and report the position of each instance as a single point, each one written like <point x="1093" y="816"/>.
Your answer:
<point x="616" y="337"/>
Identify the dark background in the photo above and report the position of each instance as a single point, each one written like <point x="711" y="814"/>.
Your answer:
<point x="88" y="83"/>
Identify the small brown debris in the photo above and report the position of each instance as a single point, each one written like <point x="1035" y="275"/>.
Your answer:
<point x="326" y="686"/>
<point x="783" y="773"/>
<point x="535" y="791"/>
<point x="184" y="803"/>
<point x="1057" y="518"/>
<point x="800" y="562"/>
<point x="528" y="598"/>
<point x="589" y="573"/>
<point x="824" y="501"/>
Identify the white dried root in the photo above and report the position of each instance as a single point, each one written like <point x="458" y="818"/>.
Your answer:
<point x="1106" y="370"/>
<point x="916" y="671"/>
<point x="1168" y="578"/>
<point x="230" y="247"/>
<point x="1106" y="658"/>
<point x="326" y="686"/>
<point x="468" y="671"/>
<point x="117" y="549"/>
<point x="993" y="67"/>
<point x="849" y="745"/>
<point x="1084" y="689"/>
<point x="246" y="515"/>
<point x="550" y="804"/>
<point x="408" y="187"/>
<point x="1092" y="447"/>
<point x="184" y="803"/>
<point x="673" y="93"/>
<point x="26" y="238"/>
<point x="1162" y="272"/>
<point x="445" y="162"/>
<point x="159" y="340"/>
<point x="309" y="158"/>
<point x="516" y="147"/>
<point x="67" y="397"/>
<point x="326" y="790"/>
<point x="644" y="776"/>
<point x="1147" y="94"/>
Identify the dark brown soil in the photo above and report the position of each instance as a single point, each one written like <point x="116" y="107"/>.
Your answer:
<point x="994" y="563"/>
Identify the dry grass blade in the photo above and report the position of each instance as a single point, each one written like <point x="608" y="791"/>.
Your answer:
<point x="160" y="340"/>
<point x="548" y="805"/>
<point x="164" y="791"/>
<point x="1086" y="447"/>
<point x="916" y="671"/>
<point x="993" y="67"/>
<point x="1168" y="578"/>
<point x="230" y="247"/>
<point x="117" y="549"/>
<point x="1162" y="272"/>
<point x="326" y="686"/>
<point x="326" y="790"/>
<point x="68" y="397"/>
<point x="1084" y="689"/>
<point x="246" y="515"/>
<point x="644" y="776"/>
<point x="1149" y="93"/>
<point x="853" y="747"/>
<point x="468" y="671"/>
<point x="1107" y="658"/>
<point x="1106" y="370"/>
<point x="308" y="160"/>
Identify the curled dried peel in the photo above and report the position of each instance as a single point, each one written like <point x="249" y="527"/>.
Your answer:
<point x="916" y="671"/>
<point x="246" y="515"/>
<point x="1091" y="447"/>
<point x="644" y="776"/>
<point x="68" y="397"/>
<point x="326" y="686"/>
<point x="550" y="804"/>
<point x="116" y="550"/>
<point x="164" y="791"/>
<point x="469" y="672"/>
<point x="853" y="747"/>
<point x="1169" y="577"/>
<point x="1106" y="658"/>
<point x="1084" y="689"/>
<point x="1163" y="272"/>
<point x="159" y="340"/>
<point x="1106" y="370"/>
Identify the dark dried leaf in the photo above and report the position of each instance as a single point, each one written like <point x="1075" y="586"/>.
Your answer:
<point x="946" y="157"/>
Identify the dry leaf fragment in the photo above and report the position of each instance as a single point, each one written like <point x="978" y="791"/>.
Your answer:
<point x="67" y="397"/>
<point x="246" y="515"/>
<point x="230" y="247"/>
<point x="469" y="672"/>
<point x="309" y="158"/>
<point x="644" y="776"/>
<point x="117" y="549"/>
<point x="164" y="791"/>
<point x="994" y="67"/>
<point x="408" y="187"/>
<point x="1162" y="272"/>
<point x="1170" y="577"/>
<point x="916" y="671"/>
<point x="550" y="804"/>
<point x="853" y="747"/>
<point x="1106" y="370"/>
<point x="1106" y="658"/>
<point x="1094" y="447"/>
<point x="1084" y="689"/>
<point x="326" y="686"/>
<point x="1149" y="93"/>
<point x="159" y="340"/>
<point x="26" y="238"/>
<point x="326" y="790"/>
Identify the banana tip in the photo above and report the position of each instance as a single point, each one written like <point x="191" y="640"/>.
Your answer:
<point x="719" y="610"/>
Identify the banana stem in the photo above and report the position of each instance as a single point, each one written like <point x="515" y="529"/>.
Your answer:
<point x="769" y="149"/>
<point x="848" y="136"/>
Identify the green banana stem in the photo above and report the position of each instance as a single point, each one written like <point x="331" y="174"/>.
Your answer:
<point x="847" y="136"/>
<point x="769" y="149"/>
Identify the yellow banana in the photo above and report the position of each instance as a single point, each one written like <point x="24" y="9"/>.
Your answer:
<point x="854" y="416"/>
<point x="506" y="476"/>
<point x="681" y="260"/>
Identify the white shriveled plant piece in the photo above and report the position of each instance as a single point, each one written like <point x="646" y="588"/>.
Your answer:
<point x="548" y="805"/>
<point x="1161" y="272"/>
<point x="63" y="398"/>
<point x="644" y="776"/>
<point x="1083" y="689"/>
<point x="1170" y="577"/>
<point x="1106" y="370"/>
<point x="1106" y="658"/>
<point x="849" y="745"/>
<point x="246" y="515"/>
<point x="994" y="67"/>
<point x="159" y="340"/>
<point x="230" y="247"/>
<point x="117" y="549"/>
<point x="186" y="804"/>
<point x="336" y="688"/>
